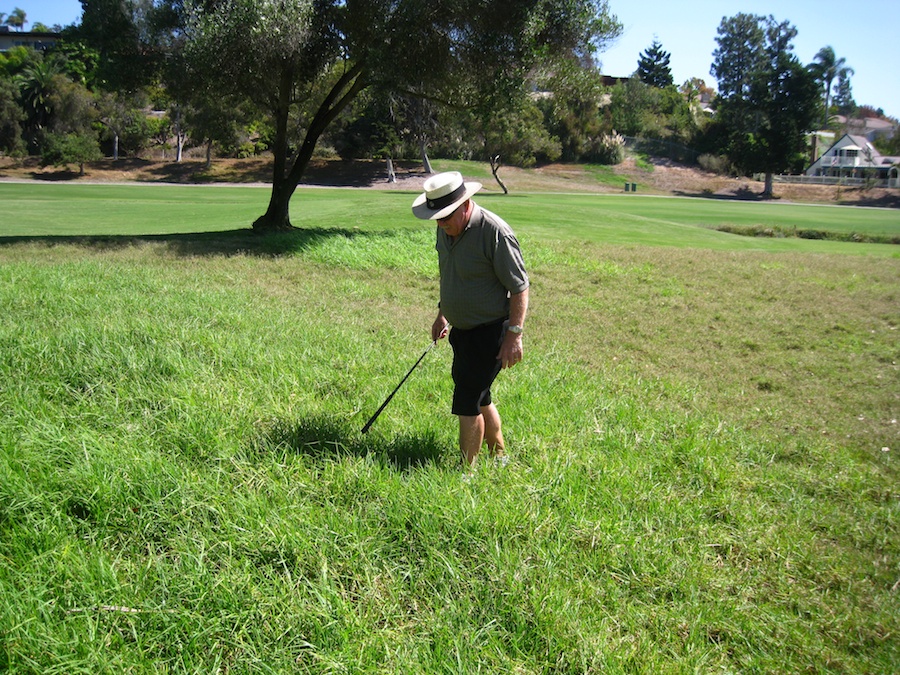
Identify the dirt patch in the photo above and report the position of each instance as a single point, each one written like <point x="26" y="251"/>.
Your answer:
<point x="661" y="177"/>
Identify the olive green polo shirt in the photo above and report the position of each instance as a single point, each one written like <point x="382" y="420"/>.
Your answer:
<point x="479" y="271"/>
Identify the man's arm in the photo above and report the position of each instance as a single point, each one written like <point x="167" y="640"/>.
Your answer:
<point x="511" y="349"/>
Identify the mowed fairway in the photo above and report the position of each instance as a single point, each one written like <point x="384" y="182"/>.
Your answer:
<point x="704" y="438"/>
<point x="612" y="219"/>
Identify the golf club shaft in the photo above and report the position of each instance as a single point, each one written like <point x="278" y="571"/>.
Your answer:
<point x="388" y="399"/>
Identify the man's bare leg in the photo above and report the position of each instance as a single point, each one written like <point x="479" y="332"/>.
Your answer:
<point x="471" y="437"/>
<point x="493" y="433"/>
<point x="475" y="430"/>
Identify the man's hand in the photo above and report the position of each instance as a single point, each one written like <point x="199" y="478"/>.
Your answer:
<point x="511" y="350"/>
<point x="439" y="328"/>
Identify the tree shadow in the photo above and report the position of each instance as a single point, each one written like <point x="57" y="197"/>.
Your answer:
<point x="59" y="175"/>
<point x="742" y="194"/>
<point x="319" y="172"/>
<point x="200" y="244"/>
<point x="884" y="200"/>
<point x="323" y="438"/>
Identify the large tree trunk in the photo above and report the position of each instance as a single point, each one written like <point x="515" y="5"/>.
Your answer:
<point x="767" y="191"/>
<point x="277" y="216"/>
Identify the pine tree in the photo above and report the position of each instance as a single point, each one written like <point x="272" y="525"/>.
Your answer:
<point x="843" y="96"/>
<point x="653" y="66"/>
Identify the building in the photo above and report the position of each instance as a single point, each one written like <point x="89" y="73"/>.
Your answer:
<point x="38" y="41"/>
<point x="872" y="128"/>
<point x="855" y="157"/>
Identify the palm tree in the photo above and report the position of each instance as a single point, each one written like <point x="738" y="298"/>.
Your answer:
<point x="16" y="19"/>
<point x="36" y="84"/>
<point x="827" y="68"/>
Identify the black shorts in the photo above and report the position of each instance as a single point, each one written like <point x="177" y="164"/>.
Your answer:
<point x="475" y="365"/>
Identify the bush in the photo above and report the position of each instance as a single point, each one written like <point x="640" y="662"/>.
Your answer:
<point x="611" y="149"/>
<point x="65" y="149"/>
<point x="716" y="164"/>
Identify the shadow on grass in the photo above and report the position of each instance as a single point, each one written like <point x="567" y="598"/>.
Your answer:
<point x="323" y="438"/>
<point x="742" y="194"/>
<point x="851" y="197"/>
<point x="319" y="173"/>
<point x="198" y="244"/>
<point x="254" y="170"/>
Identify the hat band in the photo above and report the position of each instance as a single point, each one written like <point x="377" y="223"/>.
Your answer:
<point x="446" y="200"/>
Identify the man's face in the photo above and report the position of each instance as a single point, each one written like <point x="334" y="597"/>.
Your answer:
<point x="456" y="222"/>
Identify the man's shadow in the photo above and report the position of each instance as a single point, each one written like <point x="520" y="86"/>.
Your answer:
<point x="324" y="438"/>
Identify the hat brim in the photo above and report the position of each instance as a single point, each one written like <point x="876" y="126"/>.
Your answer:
<point x="422" y="212"/>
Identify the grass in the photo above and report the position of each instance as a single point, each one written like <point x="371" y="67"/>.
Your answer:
<point x="703" y="434"/>
<point x="95" y="210"/>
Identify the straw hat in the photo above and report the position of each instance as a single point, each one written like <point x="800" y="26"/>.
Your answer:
<point x="444" y="192"/>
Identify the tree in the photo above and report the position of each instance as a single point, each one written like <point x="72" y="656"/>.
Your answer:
<point x="124" y="122"/>
<point x="843" y="96"/>
<point x="36" y="82"/>
<point x="70" y="148"/>
<point x="767" y="99"/>
<point x="121" y="34"/>
<point x="11" y="118"/>
<point x="71" y="138"/>
<point x="514" y="131"/>
<point x="304" y="61"/>
<point x="16" y="19"/>
<point x="638" y="109"/>
<point x="571" y="109"/>
<point x="827" y="67"/>
<point x="653" y="66"/>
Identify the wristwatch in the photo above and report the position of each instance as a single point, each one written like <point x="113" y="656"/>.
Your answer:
<point x="518" y="330"/>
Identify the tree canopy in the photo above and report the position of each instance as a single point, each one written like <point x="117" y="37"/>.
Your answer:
<point x="653" y="66"/>
<point x="304" y="61"/>
<point x="767" y="98"/>
<point x="827" y="68"/>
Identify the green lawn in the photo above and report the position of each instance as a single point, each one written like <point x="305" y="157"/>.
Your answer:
<point x="703" y="435"/>
<point x="614" y="219"/>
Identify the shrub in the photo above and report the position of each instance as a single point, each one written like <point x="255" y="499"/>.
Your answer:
<point x="65" y="149"/>
<point x="611" y="149"/>
<point x="716" y="164"/>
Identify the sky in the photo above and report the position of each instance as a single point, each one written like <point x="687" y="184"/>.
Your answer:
<point x="865" y="35"/>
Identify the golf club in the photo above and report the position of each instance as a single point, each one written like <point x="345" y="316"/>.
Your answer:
<point x="388" y="399"/>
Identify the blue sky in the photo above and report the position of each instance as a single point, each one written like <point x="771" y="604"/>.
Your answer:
<point x="865" y="34"/>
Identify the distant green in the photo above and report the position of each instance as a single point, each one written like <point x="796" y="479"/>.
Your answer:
<point x="128" y="210"/>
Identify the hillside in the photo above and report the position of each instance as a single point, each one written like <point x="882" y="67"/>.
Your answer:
<point x="660" y="177"/>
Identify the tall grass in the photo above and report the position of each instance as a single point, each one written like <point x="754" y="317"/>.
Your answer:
<point x="703" y="479"/>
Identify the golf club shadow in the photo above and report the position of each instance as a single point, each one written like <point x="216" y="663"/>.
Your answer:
<point x="322" y="438"/>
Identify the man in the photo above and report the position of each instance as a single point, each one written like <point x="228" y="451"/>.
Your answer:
<point x="484" y="296"/>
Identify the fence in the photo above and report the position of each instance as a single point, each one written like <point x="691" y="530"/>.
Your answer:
<point x="833" y="180"/>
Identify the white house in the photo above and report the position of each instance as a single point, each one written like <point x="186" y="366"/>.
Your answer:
<point x="855" y="157"/>
<point x="38" y="41"/>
